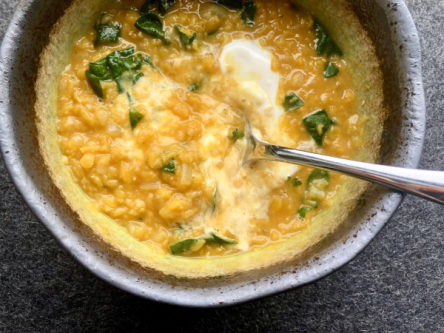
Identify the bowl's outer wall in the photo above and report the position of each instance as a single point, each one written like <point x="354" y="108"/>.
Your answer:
<point x="392" y="30"/>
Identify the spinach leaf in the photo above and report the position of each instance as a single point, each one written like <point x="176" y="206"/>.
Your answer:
<point x="147" y="7"/>
<point x="192" y="38"/>
<point x="193" y="87"/>
<point x="152" y="25"/>
<point x="134" y="116"/>
<point x="236" y="4"/>
<point x="170" y="167"/>
<point x="214" y="199"/>
<point x="292" y="102"/>
<point x="317" y="124"/>
<point x="321" y="35"/>
<point x="121" y="61"/>
<point x="98" y="71"/>
<point x="303" y="211"/>
<point x="183" y="37"/>
<point x="317" y="174"/>
<point x="164" y="5"/>
<point x="130" y="98"/>
<point x="183" y="246"/>
<point x="95" y="83"/>
<point x="147" y="60"/>
<point x="121" y="65"/>
<point x="138" y="77"/>
<point x="325" y="43"/>
<point x="248" y="13"/>
<point x="107" y="30"/>
<point x="220" y="240"/>
<point x="295" y="181"/>
<point x="331" y="70"/>
<point x="142" y="60"/>
<point x="137" y="65"/>
<point x="187" y="244"/>
<point x="237" y="135"/>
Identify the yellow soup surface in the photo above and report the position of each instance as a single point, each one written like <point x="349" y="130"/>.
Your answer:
<point x="154" y="135"/>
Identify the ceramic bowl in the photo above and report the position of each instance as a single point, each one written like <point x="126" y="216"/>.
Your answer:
<point x="390" y="28"/>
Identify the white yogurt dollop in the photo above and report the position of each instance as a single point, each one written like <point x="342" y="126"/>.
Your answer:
<point x="251" y="66"/>
<point x="246" y="62"/>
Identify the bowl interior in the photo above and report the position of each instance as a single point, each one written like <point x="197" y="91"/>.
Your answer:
<point x="398" y="52"/>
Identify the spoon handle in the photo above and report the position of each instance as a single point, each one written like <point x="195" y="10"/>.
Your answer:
<point x="422" y="183"/>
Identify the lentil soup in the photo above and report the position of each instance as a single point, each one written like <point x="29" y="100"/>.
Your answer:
<point x="150" y="122"/>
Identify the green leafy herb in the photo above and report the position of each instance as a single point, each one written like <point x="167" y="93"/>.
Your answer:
<point x="211" y="33"/>
<point x="95" y="83"/>
<point x="140" y="219"/>
<point x="121" y="65"/>
<point x="192" y="38"/>
<point x="121" y="61"/>
<point x="317" y="125"/>
<point x="130" y="98"/>
<point x="248" y="13"/>
<point x="170" y="167"/>
<point x="303" y="211"/>
<point x="325" y="43"/>
<point x="98" y="71"/>
<point x="164" y="5"/>
<point x="135" y="117"/>
<point x="107" y="30"/>
<point x="214" y="200"/>
<point x="183" y="37"/>
<point x="295" y="181"/>
<point x="137" y="65"/>
<point x="147" y="7"/>
<point x="187" y="245"/>
<point x="138" y="77"/>
<point x="183" y="246"/>
<point x="194" y="87"/>
<point x="317" y="184"/>
<point x="292" y="102"/>
<point x="237" y="135"/>
<point x="317" y="174"/>
<point x="142" y="60"/>
<point x="236" y="4"/>
<point x="331" y="70"/>
<point x="152" y="25"/>
<point x="220" y="240"/>
<point x="147" y="60"/>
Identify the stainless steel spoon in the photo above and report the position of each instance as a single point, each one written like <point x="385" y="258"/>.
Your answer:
<point x="422" y="183"/>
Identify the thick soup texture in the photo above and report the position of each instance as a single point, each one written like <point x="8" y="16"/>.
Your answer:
<point x="151" y="121"/>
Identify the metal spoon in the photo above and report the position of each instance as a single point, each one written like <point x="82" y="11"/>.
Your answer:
<point x="422" y="183"/>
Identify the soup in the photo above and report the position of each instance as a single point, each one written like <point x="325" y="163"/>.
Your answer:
<point x="151" y="121"/>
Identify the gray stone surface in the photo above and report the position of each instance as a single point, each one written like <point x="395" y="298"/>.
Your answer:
<point x="395" y="285"/>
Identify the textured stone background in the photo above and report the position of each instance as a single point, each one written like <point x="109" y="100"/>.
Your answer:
<point x="395" y="285"/>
